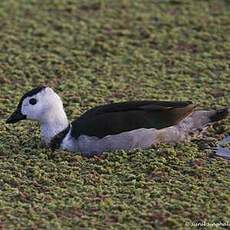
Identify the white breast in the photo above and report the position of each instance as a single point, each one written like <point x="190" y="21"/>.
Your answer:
<point x="88" y="145"/>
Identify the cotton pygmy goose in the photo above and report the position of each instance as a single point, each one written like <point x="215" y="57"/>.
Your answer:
<point x="125" y="125"/>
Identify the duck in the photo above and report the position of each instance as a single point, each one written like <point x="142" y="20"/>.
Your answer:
<point x="117" y="126"/>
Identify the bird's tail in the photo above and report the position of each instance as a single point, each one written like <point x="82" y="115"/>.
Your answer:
<point x="202" y="118"/>
<point x="219" y="114"/>
<point x="194" y="123"/>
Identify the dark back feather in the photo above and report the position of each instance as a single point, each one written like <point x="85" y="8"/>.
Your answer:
<point x="126" y="116"/>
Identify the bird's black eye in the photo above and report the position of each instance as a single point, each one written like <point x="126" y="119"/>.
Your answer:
<point x="32" y="101"/>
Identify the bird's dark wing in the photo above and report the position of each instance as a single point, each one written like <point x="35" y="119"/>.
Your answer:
<point x="126" y="116"/>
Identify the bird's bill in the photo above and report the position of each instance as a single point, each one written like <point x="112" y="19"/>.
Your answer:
<point x="15" y="117"/>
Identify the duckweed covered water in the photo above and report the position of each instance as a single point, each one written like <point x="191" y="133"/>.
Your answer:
<point x="93" y="52"/>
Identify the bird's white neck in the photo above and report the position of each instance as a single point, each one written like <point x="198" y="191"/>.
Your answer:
<point x="53" y="123"/>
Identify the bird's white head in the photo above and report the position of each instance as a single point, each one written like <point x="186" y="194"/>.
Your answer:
<point x="40" y="104"/>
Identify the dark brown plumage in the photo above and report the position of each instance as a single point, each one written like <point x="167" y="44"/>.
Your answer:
<point x="126" y="116"/>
